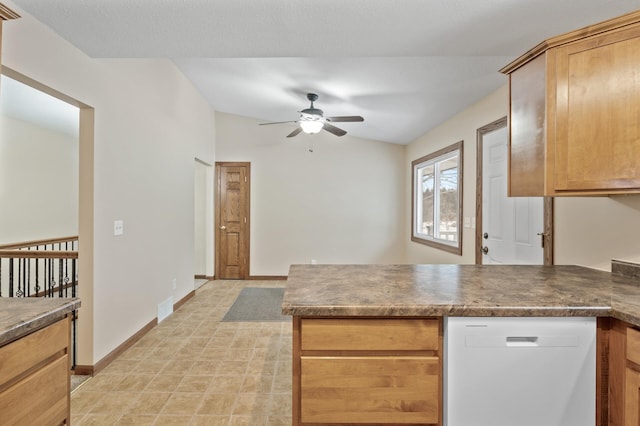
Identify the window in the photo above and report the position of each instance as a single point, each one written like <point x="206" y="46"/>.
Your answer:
<point x="437" y="199"/>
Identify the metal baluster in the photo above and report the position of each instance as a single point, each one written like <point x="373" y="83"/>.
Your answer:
<point x="20" y="293"/>
<point x="66" y="277"/>
<point x="37" y="288"/>
<point x="28" y="261"/>
<point x="49" y="292"/>
<point x="11" y="277"/>
<point x="60" y="277"/>
<point x="73" y="277"/>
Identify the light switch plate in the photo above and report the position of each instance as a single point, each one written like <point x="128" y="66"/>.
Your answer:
<point x="118" y="227"/>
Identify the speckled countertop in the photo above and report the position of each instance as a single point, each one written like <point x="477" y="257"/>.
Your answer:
<point x="459" y="290"/>
<point x="21" y="316"/>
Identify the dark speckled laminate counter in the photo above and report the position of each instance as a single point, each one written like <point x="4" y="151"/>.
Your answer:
<point x="459" y="290"/>
<point x="21" y="316"/>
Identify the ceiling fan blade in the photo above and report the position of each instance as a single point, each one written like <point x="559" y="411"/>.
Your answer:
<point x="345" y="118"/>
<point x="295" y="132"/>
<point x="276" y="122"/>
<point x="333" y="129"/>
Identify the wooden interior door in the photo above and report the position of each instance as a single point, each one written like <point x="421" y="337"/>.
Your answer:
<point x="232" y="220"/>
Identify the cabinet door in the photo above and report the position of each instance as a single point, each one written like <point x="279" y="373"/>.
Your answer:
<point x="598" y="113"/>
<point x="632" y="397"/>
<point x="370" y="389"/>
<point x="40" y="399"/>
<point x="528" y="128"/>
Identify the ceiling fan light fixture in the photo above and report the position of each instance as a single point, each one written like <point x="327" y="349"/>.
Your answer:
<point x="311" y="126"/>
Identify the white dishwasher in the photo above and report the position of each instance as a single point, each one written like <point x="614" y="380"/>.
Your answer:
<point x="507" y="371"/>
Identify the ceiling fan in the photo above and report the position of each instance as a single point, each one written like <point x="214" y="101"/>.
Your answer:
<point x="312" y="120"/>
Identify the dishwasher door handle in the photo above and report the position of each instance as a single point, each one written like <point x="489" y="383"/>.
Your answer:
<point x="522" y="341"/>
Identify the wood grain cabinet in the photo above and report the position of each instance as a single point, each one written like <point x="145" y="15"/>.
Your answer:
<point x="632" y="377"/>
<point x="34" y="377"/>
<point x="367" y="371"/>
<point x="574" y="113"/>
<point x="623" y="375"/>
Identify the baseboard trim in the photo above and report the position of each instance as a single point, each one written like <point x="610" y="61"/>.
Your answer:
<point x="100" y="365"/>
<point x="200" y="277"/>
<point x="83" y="370"/>
<point x="184" y="300"/>
<point x="92" y="370"/>
<point x="268" y="277"/>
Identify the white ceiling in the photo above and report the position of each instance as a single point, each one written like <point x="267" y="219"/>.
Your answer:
<point x="404" y="65"/>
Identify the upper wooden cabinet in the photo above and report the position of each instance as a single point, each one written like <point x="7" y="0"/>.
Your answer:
<point x="575" y="113"/>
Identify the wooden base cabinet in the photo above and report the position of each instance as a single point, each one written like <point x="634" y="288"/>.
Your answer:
<point x="623" y="374"/>
<point x="367" y="371"/>
<point x="34" y="378"/>
<point x="632" y="397"/>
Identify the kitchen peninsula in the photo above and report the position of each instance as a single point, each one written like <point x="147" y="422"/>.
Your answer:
<point x="35" y="360"/>
<point x="380" y="327"/>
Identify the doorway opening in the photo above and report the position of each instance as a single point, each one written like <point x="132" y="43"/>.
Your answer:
<point x="203" y="222"/>
<point x="509" y="230"/>
<point x="82" y="205"/>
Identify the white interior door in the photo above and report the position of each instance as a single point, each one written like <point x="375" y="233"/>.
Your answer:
<point x="510" y="225"/>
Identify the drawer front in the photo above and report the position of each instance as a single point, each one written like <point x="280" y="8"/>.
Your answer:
<point x="370" y="334"/>
<point x="18" y="357"/>
<point x="633" y="345"/>
<point x="39" y="399"/>
<point x="367" y="390"/>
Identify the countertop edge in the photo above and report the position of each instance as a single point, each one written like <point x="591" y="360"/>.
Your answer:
<point x="39" y="320"/>
<point x="450" y="311"/>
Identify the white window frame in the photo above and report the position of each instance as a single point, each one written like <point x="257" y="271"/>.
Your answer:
<point x="435" y="159"/>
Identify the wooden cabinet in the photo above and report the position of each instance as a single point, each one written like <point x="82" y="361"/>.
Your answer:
<point x="367" y="371"/>
<point x="575" y="113"/>
<point x="632" y="397"/>
<point x="34" y="377"/>
<point x="623" y="374"/>
<point x="632" y="378"/>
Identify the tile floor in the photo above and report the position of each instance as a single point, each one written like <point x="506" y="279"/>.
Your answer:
<point x="192" y="369"/>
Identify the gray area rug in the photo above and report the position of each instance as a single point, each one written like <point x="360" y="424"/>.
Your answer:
<point x="257" y="304"/>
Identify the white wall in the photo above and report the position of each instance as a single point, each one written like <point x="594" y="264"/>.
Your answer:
<point x="340" y="204"/>
<point x="38" y="182"/>
<point x="150" y="124"/>
<point x="591" y="231"/>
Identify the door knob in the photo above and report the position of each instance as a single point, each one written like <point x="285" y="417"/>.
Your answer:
<point x="223" y="227"/>
<point x="485" y="235"/>
<point x="485" y="250"/>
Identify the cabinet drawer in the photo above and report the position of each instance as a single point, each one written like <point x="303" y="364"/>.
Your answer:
<point x="370" y="334"/>
<point x="39" y="399"/>
<point x="633" y="345"/>
<point x="369" y="390"/>
<point x="18" y="357"/>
